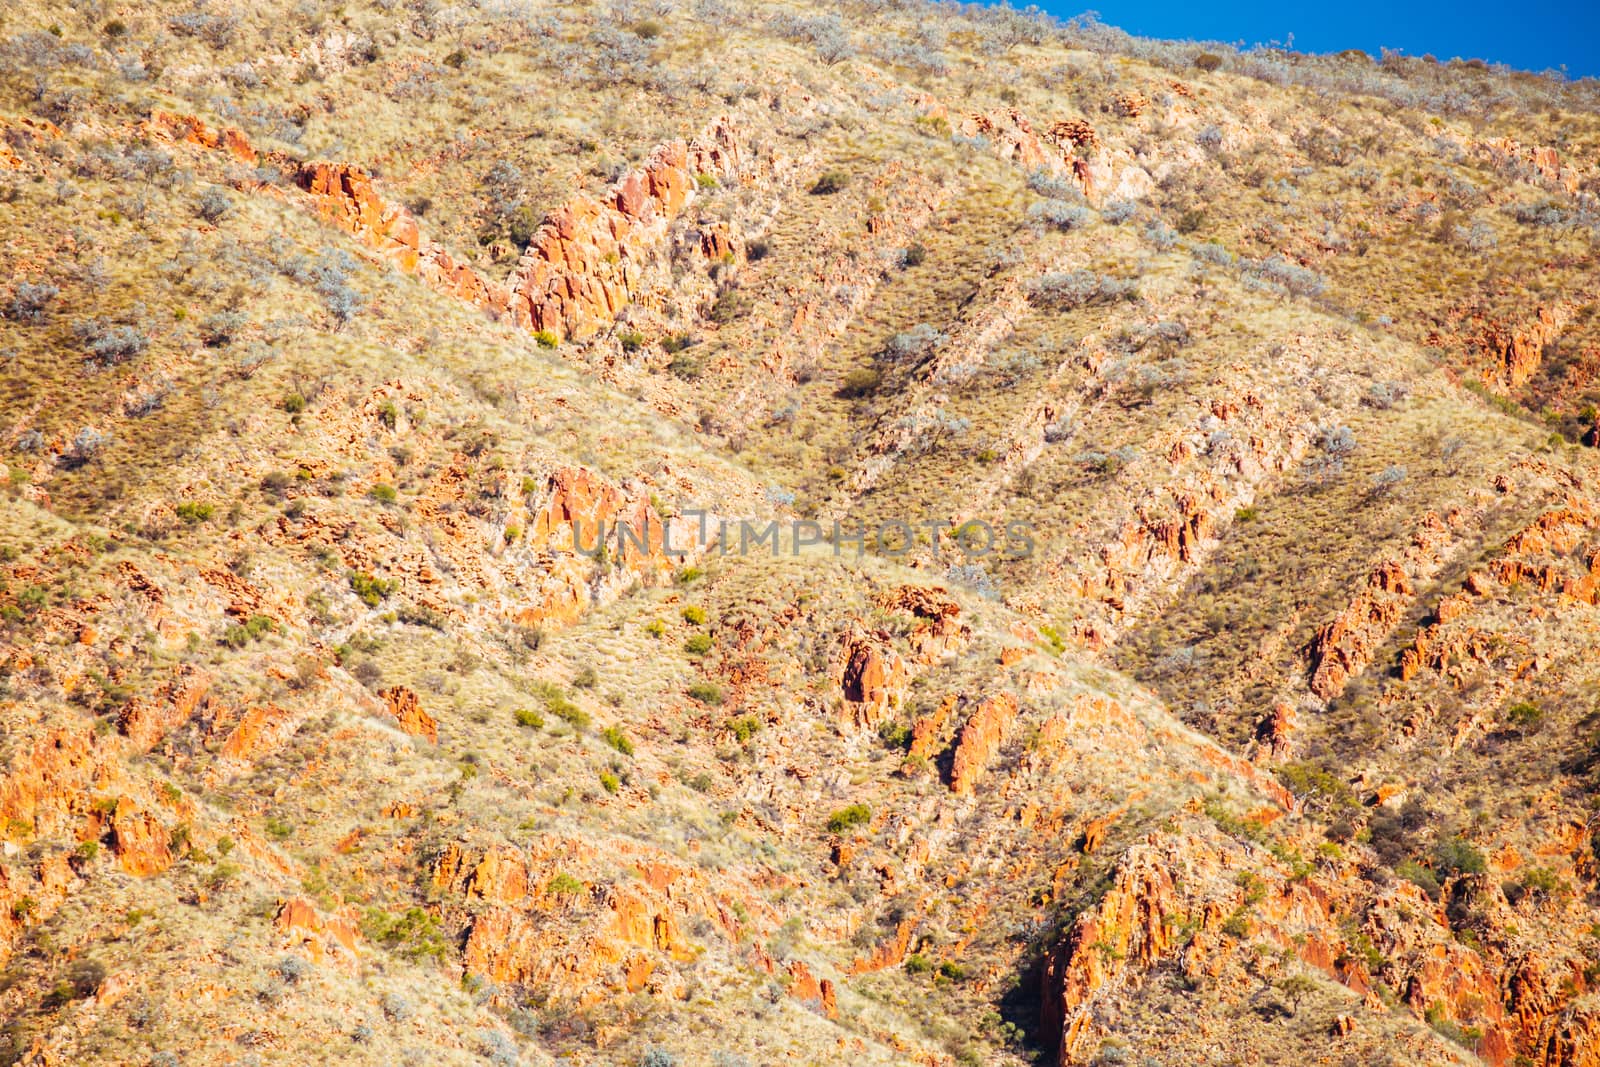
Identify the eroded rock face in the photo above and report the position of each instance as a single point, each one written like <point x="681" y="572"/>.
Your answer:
<point x="406" y="708"/>
<point x="170" y="127"/>
<point x="585" y="263"/>
<point x="1129" y="931"/>
<point x="873" y="676"/>
<point x="320" y="937"/>
<point x="345" y="195"/>
<point x="529" y="921"/>
<point x="1184" y="898"/>
<point x="981" y="737"/>
<point x="1344" y="646"/>
<point x="140" y="841"/>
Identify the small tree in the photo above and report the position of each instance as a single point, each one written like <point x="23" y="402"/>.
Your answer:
<point x="1295" y="989"/>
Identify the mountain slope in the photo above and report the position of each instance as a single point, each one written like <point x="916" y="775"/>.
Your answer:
<point x="1099" y="542"/>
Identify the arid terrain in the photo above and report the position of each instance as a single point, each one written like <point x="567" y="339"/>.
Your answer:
<point x="331" y="733"/>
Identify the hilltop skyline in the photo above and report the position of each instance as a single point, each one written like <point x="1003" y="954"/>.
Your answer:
<point x="1546" y="35"/>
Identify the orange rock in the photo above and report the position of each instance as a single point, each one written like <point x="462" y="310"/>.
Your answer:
<point x="1094" y="832"/>
<point x="139" y="841"/>
<point x="1344" y="646"/>
<point x="805" y="987"/>
<point x="1275" y="732"/>
<point x="406" y="708"/>
<point x="926" y="731"/>
<point x="890" y="953"/>
<point x="299" y="921"/>
<point x="1131" y="927"/>
<point x="981" y="737"/>
<point x="873" y="676"/>
<point x="145" y="722"/>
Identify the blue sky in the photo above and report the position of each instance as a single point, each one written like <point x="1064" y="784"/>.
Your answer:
<point x="1530" y="34"/>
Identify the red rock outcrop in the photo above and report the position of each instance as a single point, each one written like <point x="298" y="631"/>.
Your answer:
<point x="584" y="264"/>
<point x="145" y="721"/>
<point x="140" y="841"/>
<point x="1509" y="351"/>
<point x="1011" y="136"/>
<point x="345" y="196"/>
<point x="586" y="261"/>
<point x="1542" y="160"/>
<point x="927" y="730"/>
<point x="805" y="987"/>
<point x="187" y="128"/>
<point x="406" y="708"/>
<point x="1557" y="533"/>
<point x="981" y="737"/>
<point x="301" y="924"/>
<point x="1127" y="932"/>
<point x="872" y="675"/>
<point x="1345" y="645"/>
<point x="1517" y="351"/>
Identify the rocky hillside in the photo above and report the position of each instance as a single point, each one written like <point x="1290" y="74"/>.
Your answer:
<point x="731" y="534"/>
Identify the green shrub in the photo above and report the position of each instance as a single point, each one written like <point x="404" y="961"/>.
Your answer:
<point x="558" y="704"/>
<point x="744" y="728"/>
<point x="632" y="340"/>
<point x="609" y="782"/>
<point x="192" y="512"/>
<point x="529" y="717"/>
<point x="546" y="338"/>
<point x="917" y="963"/>
<point x="388" y="414"/>
<point x="729" y="305"/>
<point x="694" y="615"/>
<point x="371" y="590"/>
<point x="563" y="884"/>
<point x="848" y="818"/>
<point x="698" y="645"/>
<point x="689" y="574"/>
<point x="383" y="494"/>
<point x="1524" y="717"/>
<point x="1050" y="634"/>
<point x="706" y="692"/>
<point x="294" y="403"/>
<point x="655" y="628"/>
<point x="279" y="828"/>
<point x="254" y="628"/>
<point x="861" y="382"/>
<point x="1458" y="856"/>
<point x="414" y="935"/>
<point x="830" y="182"/>
<point x="895" y="734"/>
<point x="1322" y="790"/>
<point x="618" y="740"/>
<point x="1419" y="876"/>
